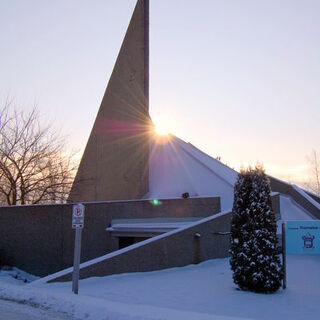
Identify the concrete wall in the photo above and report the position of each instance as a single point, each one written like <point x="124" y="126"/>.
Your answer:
<point x="174" y="249"/>
<point x="39" y="239"/>
<point x="279" y="186"/>
<point x="115" y="163"/>
<point x="305" y="203"/>
<point x="275" y="200"/>
<point x="285" y="188"/>
<point x="313" y="196"/>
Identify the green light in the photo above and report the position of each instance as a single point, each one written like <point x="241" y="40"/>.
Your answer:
<point x="155" y="202"/>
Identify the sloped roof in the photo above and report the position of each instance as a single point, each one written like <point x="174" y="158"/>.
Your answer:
<point x="176" y="167"/>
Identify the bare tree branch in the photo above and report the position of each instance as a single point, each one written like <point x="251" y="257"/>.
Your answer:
<point x="34" y="168"/>
<point x="314" y="176"/>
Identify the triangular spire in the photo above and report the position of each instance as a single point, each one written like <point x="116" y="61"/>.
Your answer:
<point x="115" y="162"/>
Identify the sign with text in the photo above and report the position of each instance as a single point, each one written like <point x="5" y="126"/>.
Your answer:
<point x="78" y="216"/>
<point x="303" y="237"/>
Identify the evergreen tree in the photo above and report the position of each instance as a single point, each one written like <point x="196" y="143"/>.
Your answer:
<point x="254" y="260"/>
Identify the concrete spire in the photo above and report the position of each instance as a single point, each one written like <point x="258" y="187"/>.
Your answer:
<point x="115" y="162"/>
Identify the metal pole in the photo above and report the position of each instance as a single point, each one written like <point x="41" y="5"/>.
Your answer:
<point x="76" y="261"/>
<point x="284" y="256"/>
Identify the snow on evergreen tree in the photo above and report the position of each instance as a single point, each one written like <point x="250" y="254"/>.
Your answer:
<point x="254" y="260"/>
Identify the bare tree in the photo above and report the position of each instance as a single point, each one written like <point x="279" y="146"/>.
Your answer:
<point x="33" y="165"/>
<point x="314" y="179"/>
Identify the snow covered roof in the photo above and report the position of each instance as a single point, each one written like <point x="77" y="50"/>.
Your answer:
<point x="176" y="167"/>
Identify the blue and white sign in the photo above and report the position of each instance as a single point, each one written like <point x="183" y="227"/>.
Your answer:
<point x="303" y="237"/>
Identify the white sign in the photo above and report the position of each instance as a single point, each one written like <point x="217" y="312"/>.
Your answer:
<point x="78" y="216"/>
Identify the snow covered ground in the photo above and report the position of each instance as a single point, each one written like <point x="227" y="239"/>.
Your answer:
<point x="205" y="291"/>
<point x="13" y="311"/>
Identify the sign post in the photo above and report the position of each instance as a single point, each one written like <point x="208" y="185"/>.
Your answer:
<point x="284" y="257"/>
<point x="77" y="224"/>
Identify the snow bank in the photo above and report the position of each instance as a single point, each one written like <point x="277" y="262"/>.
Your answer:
<point x="204" y="291"/>
<point x="15" y="276"/>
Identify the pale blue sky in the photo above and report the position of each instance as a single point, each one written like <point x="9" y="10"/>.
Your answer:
<point x="237" y="78"/>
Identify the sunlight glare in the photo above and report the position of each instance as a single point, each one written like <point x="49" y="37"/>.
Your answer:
<point x="162" y="129"/>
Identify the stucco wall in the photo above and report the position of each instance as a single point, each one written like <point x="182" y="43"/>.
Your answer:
<point x="40" y="240"/>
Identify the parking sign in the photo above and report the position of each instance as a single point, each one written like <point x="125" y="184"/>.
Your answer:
<point x="78" y="216"/>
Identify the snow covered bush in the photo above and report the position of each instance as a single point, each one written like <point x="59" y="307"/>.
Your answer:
<point x="254" y="260"/>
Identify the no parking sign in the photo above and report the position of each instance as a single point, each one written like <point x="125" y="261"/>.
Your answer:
<point x="78" y="216"/>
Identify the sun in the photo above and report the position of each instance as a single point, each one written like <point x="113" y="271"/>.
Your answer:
<point x="162" y="129"/>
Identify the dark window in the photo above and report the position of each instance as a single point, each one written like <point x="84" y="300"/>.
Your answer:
<point x="125" y="242"/>
<point x="128" y="241"/>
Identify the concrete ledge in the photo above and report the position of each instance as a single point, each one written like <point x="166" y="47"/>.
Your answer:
<point x="313" y="196"/>
<point x="288" y="189"/>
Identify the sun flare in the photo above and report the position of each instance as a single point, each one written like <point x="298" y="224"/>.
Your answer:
<point x="162" y="129"/>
